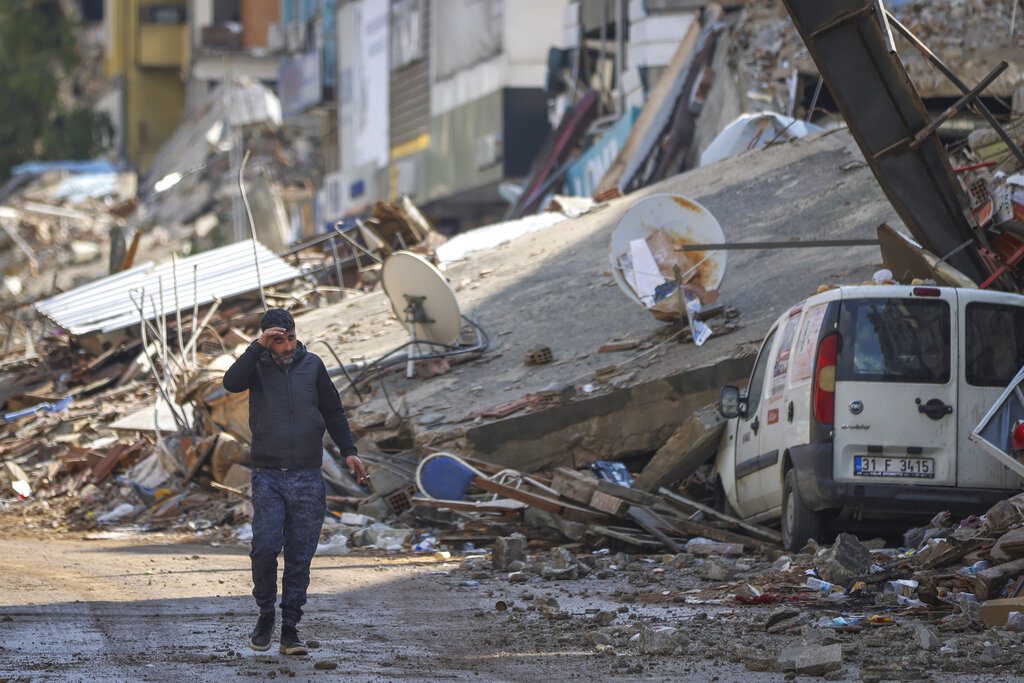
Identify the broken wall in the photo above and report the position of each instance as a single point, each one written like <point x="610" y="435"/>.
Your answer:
<point x="632" y="421"/>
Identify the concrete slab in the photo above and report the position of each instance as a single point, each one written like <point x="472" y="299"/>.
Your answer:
<point x="554" y="287"/>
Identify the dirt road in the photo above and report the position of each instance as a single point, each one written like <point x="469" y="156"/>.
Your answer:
<point x="150" y="609"/>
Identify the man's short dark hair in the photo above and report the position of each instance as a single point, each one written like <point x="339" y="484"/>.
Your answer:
<point x="277" y="317"/>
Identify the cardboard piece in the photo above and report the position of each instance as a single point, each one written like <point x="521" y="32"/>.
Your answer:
<point x="995" y="612"/>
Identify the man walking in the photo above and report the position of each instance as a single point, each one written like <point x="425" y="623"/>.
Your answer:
<point x="292" y="400"/>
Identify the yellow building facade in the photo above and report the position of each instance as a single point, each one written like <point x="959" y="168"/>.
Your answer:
<point x="148" y="50"/>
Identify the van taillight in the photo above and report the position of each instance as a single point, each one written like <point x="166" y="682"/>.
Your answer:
<point x="825" y="380"/>
<point x="927" y="291"/>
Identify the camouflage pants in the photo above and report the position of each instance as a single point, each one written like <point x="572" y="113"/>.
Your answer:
<point x="288" y="511"/>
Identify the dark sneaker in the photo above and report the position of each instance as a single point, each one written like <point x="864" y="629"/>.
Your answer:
<point x="290" y="643"/>
<point x="259" y="639"/>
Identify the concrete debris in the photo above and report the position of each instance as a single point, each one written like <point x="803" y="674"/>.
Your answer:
<point x="812" y="661"/>
<point x="507" y="551"/>
<point x="660" y="640"/>
<point x="926" y="638"/>
<point x="845" y="561"/>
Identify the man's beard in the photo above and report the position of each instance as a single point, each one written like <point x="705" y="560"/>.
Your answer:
<point x="283" y="360"/>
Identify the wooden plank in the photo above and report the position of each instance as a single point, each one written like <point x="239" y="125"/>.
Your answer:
<point x="755" y="529"/>
<point x="652" y="108"/>
<point x="606" y="503"/>
<point x="499" y="506"/>
<point x="658" y="527"/>
<point x="691" y="528"/>
<point x="633" y="495"/>
<point x="625" y="537"/>
<point x="988" y="583"/>
<point x="692" y="444"/>
<point x="571" y="512"/>
<point x="577" y="486"/>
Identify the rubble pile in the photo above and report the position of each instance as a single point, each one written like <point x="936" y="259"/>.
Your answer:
<point x="767" y="53"/>
<point x="882" y="612"/>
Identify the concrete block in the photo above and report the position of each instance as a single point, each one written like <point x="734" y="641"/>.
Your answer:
<point x="845" y="561"/>
<point x="813" y="660"/>
<point x="661" y="640"/>
<point x="508" y="550"/>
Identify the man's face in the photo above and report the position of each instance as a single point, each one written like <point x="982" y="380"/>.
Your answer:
<point x="282" y="347"/>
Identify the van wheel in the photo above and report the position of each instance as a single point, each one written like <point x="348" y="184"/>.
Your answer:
<point x="799" y="522"/>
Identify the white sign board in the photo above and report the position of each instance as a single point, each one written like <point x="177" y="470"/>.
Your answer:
<point x="369" y="79"/>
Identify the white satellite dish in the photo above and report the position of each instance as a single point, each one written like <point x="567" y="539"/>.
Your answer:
<point x="423" y="302"/>
<point x="665" y="221"/>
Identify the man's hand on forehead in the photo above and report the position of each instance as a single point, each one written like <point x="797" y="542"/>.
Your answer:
<point x="272" y="334"/>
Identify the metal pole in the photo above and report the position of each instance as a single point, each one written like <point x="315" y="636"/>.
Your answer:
<point x="620" y="58"/>
<point x="971" y="96"/>
<point x="196" y="331"/>
<point x="356" y="244"/>
<point x="814" y="100"/>
<point x="195" y="308"/>
<point x="252" y="228"/>
<point x="948" y="73"/>
<point x="177" y="307"/>
<point x="152" y="367"/>
<point x="604" y="39"/>
<point x="337" y="268"/>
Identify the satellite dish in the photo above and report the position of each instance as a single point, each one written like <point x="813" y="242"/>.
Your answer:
<point x="421" y="299"/>
<point x="660" y="223"/>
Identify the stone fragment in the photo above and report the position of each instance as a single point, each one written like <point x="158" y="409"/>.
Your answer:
<point x="660" y="640"/>
<point x="547" y="603"/>
<point x="716" y="569"/>
<point x="927" y="639"/>
<point x="813" y="660"/>
<point x="753" y="658"/>
<point x="561" y="558"/>
<point x="508" y="550"/>
<point x="605" y="617"/>
<point x="780" y="616"/>
<point x="556" y="574"/>
<point x="845" y="561"/>
<point x="325" y="665"/>
<point x="518" y="577"/>
<point x="600" y="638"/>
<point x="516" y="566"/>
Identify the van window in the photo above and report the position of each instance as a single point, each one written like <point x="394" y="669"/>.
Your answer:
<point x="756" y="387"/>
<point x="994" y="345"/>
<point x="894" y="340"/>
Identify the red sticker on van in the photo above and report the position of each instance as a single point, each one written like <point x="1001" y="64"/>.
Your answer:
<point x="773" y="416"/>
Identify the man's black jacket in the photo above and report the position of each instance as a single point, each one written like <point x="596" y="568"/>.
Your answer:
<point x="289" y="407"/>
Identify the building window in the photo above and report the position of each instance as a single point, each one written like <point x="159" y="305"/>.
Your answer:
<point x="406" y="33"/>
<point x="162" y="14"/>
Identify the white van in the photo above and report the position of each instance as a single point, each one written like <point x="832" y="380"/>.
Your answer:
<point x="860" y="404"/>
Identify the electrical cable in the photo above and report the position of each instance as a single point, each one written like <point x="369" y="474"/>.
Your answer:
<point x="376" y="368"/>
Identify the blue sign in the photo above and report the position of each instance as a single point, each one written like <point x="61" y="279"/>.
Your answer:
<point x="298" y="83"/>
<point x="583" y="177"/>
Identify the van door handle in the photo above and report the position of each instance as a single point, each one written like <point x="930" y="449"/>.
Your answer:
<point x="756" y="424"/>
<point x="934" y="408"/>
<point x="789" y="412"/>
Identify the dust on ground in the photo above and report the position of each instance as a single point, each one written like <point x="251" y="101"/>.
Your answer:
<point x="128" y="606"/>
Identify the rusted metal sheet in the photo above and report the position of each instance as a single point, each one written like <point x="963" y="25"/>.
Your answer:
<point x="854" y="53"/>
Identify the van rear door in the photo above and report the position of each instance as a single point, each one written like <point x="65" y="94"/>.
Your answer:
<point x="896" y="388"/>
<point x="992" y="334"/>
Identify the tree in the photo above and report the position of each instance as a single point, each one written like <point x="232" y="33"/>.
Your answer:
<point x="37" y="54"/>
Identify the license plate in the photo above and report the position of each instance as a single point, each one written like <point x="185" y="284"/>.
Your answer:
<point x="877" y="466"/>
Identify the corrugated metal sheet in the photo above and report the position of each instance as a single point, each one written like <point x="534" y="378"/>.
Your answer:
<point x="107" y="305"/>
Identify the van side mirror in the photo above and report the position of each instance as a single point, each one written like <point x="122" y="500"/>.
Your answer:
<point x="729" y="402"/>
